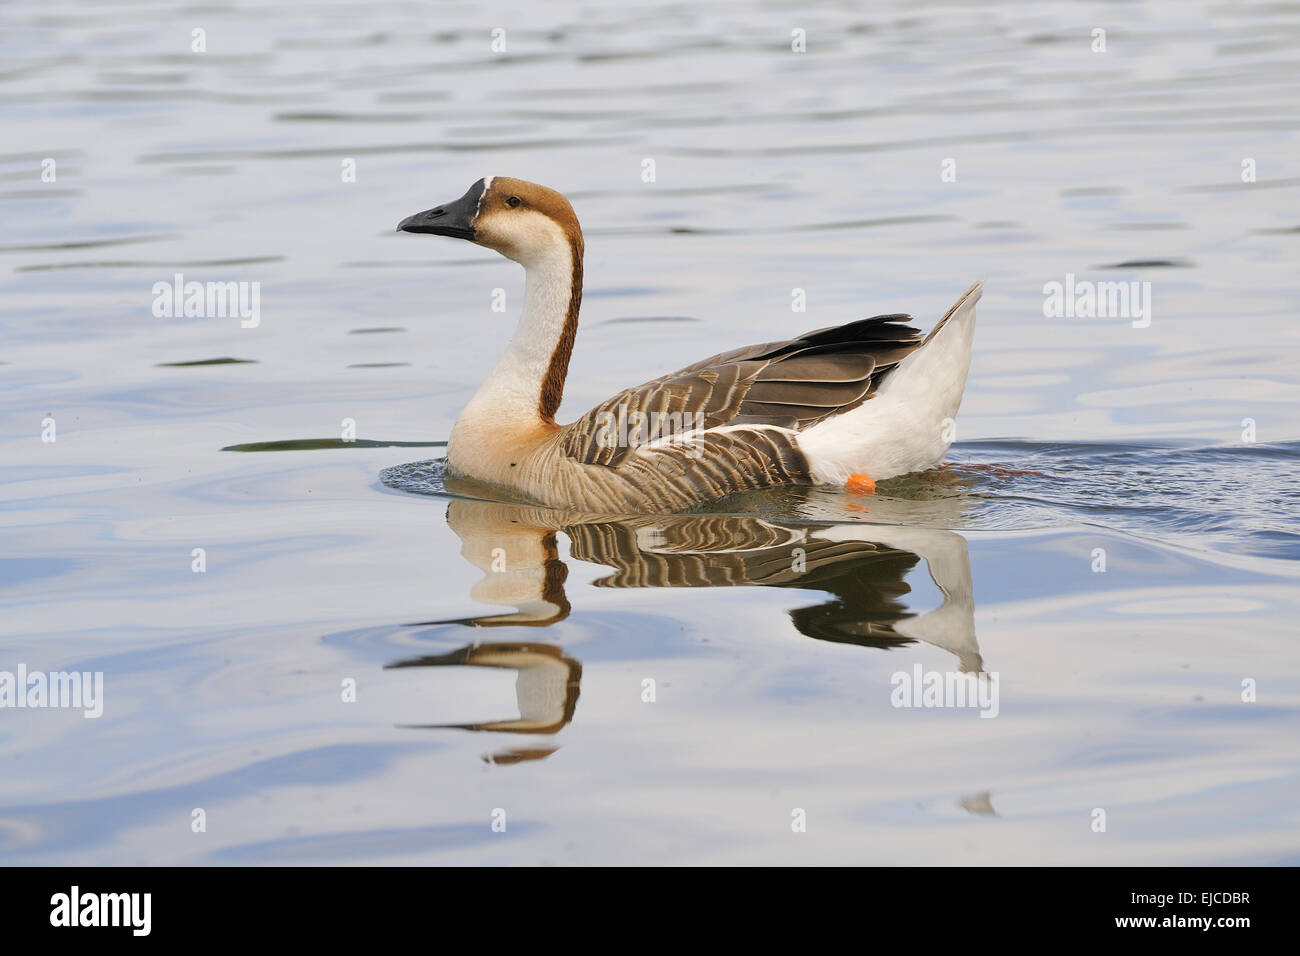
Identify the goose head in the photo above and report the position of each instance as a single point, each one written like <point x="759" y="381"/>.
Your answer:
<point x="521" y="220"/>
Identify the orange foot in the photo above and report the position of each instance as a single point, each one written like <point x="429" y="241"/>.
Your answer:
<point x="860" y="485"/>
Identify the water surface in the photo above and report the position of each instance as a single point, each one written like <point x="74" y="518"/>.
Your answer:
<point x="1165" y="454"/>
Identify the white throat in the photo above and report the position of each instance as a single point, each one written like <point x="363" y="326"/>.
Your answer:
<point x="548" y="287"/>
<point x="511" y="395"/>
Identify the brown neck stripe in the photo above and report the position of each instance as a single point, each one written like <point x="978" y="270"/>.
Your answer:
<point x="553" y="383"/>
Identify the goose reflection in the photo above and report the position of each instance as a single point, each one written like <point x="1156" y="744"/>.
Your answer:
<point x="860" y="567"/>
<point x="546" y="690"/>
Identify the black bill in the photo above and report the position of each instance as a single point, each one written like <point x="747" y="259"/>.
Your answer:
<point x="453" y="219"/>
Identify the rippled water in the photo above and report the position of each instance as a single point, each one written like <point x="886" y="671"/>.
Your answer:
<point x="1115" y="536"/>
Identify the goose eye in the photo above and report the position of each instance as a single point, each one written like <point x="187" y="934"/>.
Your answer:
<point x="512" y="202"/>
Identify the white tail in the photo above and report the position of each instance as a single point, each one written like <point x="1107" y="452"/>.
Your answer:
<point x="907" y="425"/>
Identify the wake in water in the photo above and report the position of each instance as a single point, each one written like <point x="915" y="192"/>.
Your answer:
<point x="1243" y="499"/>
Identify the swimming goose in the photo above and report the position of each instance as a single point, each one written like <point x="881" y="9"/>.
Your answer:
<point x="846" y="406"/>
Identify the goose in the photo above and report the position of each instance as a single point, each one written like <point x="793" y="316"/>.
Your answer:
<point x="845" y="406"/>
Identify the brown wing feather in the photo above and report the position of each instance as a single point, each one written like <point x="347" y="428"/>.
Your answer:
<point x="792" y="384"/>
